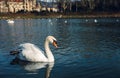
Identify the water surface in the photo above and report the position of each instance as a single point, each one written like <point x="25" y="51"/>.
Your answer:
<point x="88" y="48"/>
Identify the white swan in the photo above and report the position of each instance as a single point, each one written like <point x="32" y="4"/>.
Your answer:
<point x="30" y="52"/>
<point x="10" y="21"/>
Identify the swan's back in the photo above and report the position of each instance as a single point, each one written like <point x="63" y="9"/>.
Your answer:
<point x="30" y="52"/>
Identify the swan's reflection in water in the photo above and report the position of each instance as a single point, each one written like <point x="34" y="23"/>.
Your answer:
<point x="33" y="67"/>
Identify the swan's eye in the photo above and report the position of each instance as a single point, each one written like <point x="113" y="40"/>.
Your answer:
<point x="55" y="43"/>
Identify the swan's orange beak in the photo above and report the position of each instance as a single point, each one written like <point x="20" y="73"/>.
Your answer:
<point x="55" y="44"/>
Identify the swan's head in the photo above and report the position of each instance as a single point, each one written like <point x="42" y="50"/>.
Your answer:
<point x="52" y="40"/>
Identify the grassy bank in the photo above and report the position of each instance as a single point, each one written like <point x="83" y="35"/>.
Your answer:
<point x="59" y="15"/>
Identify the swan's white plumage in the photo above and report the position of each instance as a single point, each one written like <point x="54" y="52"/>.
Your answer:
<point x="30" y="52"/>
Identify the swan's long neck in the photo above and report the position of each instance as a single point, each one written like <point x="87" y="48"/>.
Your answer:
<point x="48" y="52"/>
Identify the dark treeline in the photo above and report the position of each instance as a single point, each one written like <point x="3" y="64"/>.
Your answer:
<point x="89" y="5"/>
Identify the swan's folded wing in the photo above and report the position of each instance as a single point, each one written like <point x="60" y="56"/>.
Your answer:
<point x="37" y="48"/>
<point x="31" y="52"/>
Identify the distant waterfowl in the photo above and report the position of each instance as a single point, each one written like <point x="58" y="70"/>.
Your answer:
<point x="65" y="21"/>
<point x="30" y="52"/>
<point x="95" y="21"/>
<point x="117" y="20"/>
<point x="86" y="20"/>
<point x="10" y="21"/>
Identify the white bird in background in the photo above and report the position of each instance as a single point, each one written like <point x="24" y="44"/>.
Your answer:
<point x="95" y="20"/>
<point x="10" y="21"/>
<point x="30" y="52"/>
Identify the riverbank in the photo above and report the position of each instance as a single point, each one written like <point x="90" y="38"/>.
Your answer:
<point x="59" y="15"/>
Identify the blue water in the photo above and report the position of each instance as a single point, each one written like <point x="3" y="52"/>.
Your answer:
<point x="88" y="48"/>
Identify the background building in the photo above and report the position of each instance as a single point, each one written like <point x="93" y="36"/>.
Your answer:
<point x="14" y="6"/>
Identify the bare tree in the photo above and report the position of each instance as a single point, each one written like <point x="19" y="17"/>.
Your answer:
<point x="91" y="4"/>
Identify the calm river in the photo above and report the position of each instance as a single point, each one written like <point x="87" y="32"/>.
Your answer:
<point x="88" y="48"/>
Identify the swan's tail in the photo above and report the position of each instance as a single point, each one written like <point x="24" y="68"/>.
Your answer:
<point x="14" y="52"/>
